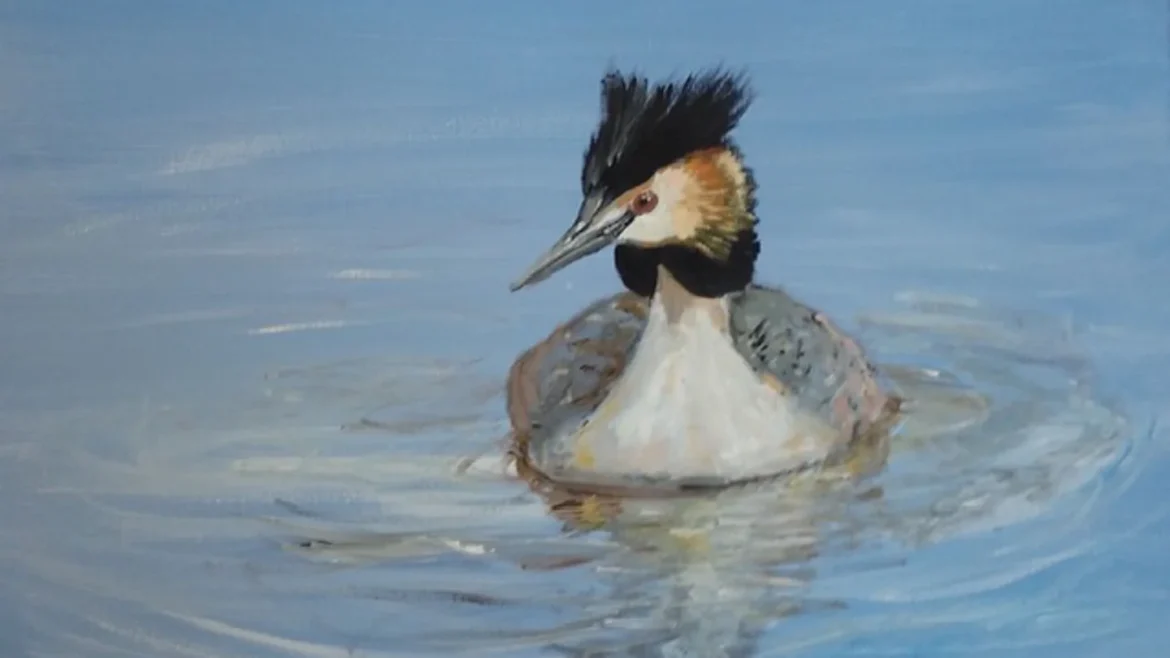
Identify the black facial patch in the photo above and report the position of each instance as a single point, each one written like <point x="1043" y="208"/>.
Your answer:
<point x="646" y="127"/>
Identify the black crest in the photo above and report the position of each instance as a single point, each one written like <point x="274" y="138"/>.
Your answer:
<point x="644" y="128"/>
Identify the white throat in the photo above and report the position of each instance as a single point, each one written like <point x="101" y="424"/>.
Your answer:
<point x="688" y="405"/>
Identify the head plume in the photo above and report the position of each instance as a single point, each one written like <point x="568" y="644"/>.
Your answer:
<point x="646" y="127"/>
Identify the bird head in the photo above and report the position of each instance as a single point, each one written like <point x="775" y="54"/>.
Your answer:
<point x="661" y="173"/>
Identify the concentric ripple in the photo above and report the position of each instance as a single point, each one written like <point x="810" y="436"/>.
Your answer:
<point x="355" y="500"/>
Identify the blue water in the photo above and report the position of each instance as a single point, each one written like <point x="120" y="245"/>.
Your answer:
<point x="231" y="231"/>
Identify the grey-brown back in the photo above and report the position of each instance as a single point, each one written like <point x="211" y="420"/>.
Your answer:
<point x="562" y="379"/>
<point x="823" y="368"/>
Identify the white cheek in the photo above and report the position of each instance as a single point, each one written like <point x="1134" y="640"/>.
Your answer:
<point x="649" y="229"/>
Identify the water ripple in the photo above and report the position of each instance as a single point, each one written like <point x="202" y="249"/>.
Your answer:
<point x="343" y="497"/>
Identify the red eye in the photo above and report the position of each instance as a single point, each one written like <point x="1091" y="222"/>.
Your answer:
<point x="644" y="203"/>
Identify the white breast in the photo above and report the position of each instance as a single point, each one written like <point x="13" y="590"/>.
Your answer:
<point x="688" y="405"/>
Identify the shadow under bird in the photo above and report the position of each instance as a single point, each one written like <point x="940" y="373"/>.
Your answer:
<point x="696" y="375"/>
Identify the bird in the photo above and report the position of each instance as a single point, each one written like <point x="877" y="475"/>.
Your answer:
<point x="696" y="375"/>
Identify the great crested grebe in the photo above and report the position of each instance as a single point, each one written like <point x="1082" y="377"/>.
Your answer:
<point x="696" y="374"/>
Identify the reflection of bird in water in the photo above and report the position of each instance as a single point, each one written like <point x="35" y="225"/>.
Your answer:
<point x="696" y="376"/>
<point x="706" y="575"/>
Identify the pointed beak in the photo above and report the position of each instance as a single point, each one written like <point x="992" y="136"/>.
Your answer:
<point x="591" y="232"/>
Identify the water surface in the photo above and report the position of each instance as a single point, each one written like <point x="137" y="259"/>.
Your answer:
<point x="256" y="323"/>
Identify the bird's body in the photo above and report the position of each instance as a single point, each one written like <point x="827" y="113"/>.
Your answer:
<point x="697" y="374"/>
<point x="751" y="386"/>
